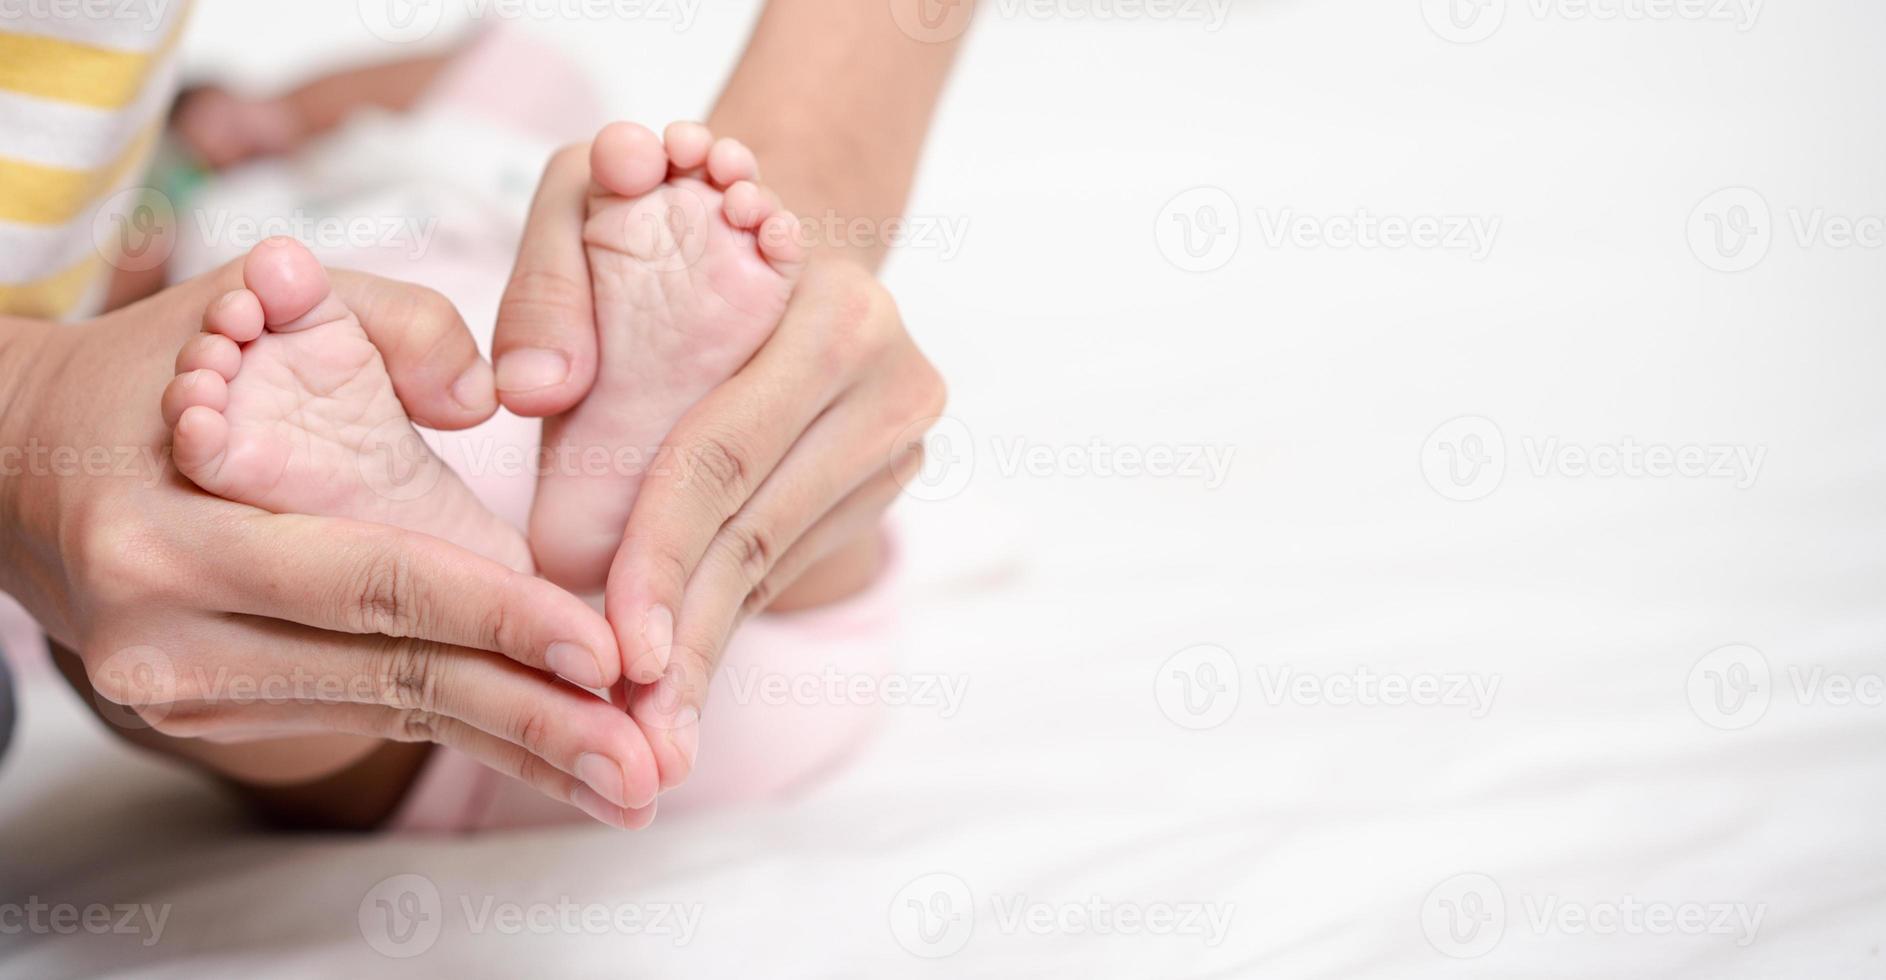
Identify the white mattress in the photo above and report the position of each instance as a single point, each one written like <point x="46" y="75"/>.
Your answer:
<point x="1605" y="812"/>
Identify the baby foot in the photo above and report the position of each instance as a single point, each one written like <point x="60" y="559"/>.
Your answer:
<point x="691" y="263"/>
<point x="283" y="403"/>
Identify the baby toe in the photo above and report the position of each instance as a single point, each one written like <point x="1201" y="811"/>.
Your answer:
<point x="748" y="204"/>
<point x="687" y="143"/>
<point x="196" y="389"/>
<point x="782" y="243"/>
<point x="288" y="281"/>
<point x="237" y="315"/>
<point x="729" y="161"/>
<point x="210" y="352"/>
<point x="199" y="442"/>
<point x="627" y="159"/>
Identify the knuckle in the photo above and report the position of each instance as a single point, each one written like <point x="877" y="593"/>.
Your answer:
<point x="861" y="322"/>
<point x="135" y="676"/>
<point x="534" y="771"/>
<point x="762" y="595"/>
<point x="416" y="725"/>
<point x="530" y="728"/>
<point x="720" y="468"/>
<point x="114" y="686"/>
<point x="880" y="306"/>
<point x="446" y="347"/>
<point x="380" y="599"/>
<point x="430" y="307"/>
<point x="124" y="566"/>
<point x="850" y="339"/>
<point x="671" y="567"/>
<point x="749" y="547"/>
<point x="497" y="625"/>
<point x="421" y="310"/>
<point x="408" y="676"/>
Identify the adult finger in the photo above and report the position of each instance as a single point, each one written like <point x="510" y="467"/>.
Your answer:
<point x="860" y="514"/>
<point x="727" y="595"/>
<point x="225" y="723"/>
<point x="270" y="665"/>
<point x="796" y="519"/>
<point x="545" y="346"/>
<point x="871" y="434"/>
<point x="354" y="577"/>
<point x="437" y="371"/>
<point x="718" y="453"/>
<point x="835" y="456"/>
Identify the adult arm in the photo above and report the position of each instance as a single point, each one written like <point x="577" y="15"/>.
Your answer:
<point x="836" y="101"/>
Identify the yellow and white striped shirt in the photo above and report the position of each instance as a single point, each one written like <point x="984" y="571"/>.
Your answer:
<point x="85" y="86"/>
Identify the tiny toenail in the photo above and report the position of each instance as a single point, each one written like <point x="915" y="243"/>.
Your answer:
<point x="575" y="664"/>
<point x="532" y="368"/>
<point x="603" y="776"/>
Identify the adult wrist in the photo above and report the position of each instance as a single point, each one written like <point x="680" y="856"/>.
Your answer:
<point x="22" y="344"/>
<point x="25" y="358"/>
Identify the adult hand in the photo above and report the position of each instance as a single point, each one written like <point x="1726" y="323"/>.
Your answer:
<point x="214" y="620"/>
<point x="797" y="454"/>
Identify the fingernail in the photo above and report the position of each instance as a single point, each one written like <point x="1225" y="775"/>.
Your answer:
<point x="586" y="800"/>
<point x="603" y="776"/>
<point x="575" y="664"/>
<point x="532" y="368"/>
<point x="685" y="736"/>
<point x="658" y="631"/>
<point x="473" y="389"/>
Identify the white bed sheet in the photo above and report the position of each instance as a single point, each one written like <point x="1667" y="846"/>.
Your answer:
<point x="1334" y="837"/>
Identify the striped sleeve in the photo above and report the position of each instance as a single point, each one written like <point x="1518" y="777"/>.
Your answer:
<point x="83" y="97"/>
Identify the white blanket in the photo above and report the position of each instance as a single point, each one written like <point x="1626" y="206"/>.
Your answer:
<point x="1300" y="708"/>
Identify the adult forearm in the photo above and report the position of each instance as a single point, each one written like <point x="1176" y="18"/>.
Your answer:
<point x="326" y="102"/>
<point x="836" y="99"/>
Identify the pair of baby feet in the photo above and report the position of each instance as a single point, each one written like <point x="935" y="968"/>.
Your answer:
<point x="284" y="403"/>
